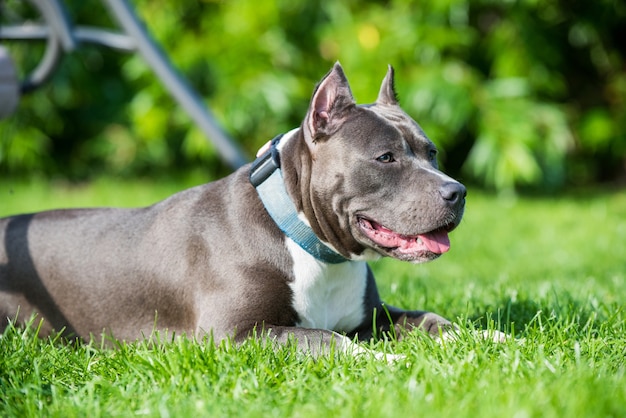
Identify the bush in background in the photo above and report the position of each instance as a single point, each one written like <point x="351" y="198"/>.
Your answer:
<point x="516" y="94"/>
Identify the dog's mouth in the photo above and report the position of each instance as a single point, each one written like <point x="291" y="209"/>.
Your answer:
<point x="420" y="247"/>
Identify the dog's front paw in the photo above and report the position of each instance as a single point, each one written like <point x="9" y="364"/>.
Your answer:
<point x="427" y="322"/>
<point x="388" y="358"/>
<point x="494" y="335"/>
<point x="454" y="334"/>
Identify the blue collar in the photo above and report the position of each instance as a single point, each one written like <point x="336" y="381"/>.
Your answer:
<point x="266" y="177"/>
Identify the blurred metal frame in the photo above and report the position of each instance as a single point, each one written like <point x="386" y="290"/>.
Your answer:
<point x="62" y="36"/>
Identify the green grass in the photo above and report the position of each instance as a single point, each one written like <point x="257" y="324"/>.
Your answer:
<point x="550" y="271"/>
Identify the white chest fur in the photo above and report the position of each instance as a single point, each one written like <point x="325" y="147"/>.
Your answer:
<point x="327" y="296"/>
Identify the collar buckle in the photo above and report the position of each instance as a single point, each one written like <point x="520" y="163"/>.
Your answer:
<point x="267" y="179"/>
<point x="266" y="164"/>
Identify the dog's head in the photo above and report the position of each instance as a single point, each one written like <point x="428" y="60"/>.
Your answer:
<point x="369" y="178"/>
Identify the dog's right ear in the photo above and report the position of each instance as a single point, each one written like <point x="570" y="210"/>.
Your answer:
<point x="331" y="99"/>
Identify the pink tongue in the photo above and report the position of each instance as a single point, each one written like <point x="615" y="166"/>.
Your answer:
<point x="436" y="241"/>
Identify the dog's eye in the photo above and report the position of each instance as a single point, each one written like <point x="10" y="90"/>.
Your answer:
<point x="386" y="158"/>
<point x="432" y="154"/>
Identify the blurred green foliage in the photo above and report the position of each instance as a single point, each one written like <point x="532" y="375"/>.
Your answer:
<point x="517" y="94"/>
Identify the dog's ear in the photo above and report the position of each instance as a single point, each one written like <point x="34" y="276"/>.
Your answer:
<point x="387" y="94"/>
<point x="331" y="100"/>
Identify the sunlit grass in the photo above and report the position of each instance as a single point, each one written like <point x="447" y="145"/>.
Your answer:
<point x="550" y="270"/>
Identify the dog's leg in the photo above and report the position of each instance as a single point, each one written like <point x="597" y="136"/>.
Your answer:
<point x="428" y="322"/>
<point x="317" y="342"/>
<point x="391" y="320"/>
<point x="436" y="326"/>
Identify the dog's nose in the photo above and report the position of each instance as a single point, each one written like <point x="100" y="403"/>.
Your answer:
<point x="453" y="193"/>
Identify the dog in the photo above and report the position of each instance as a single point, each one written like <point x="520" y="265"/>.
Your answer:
<point x="279" y="246"/>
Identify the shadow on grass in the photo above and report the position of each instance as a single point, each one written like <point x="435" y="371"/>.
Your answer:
<point x="519" y="316"/>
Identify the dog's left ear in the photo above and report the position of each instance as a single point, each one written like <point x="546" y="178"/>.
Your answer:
<point x="387" y="94"/>
<point x="331" y="100"/>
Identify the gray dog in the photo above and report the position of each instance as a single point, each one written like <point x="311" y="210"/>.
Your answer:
<point x="280" y="246"/>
